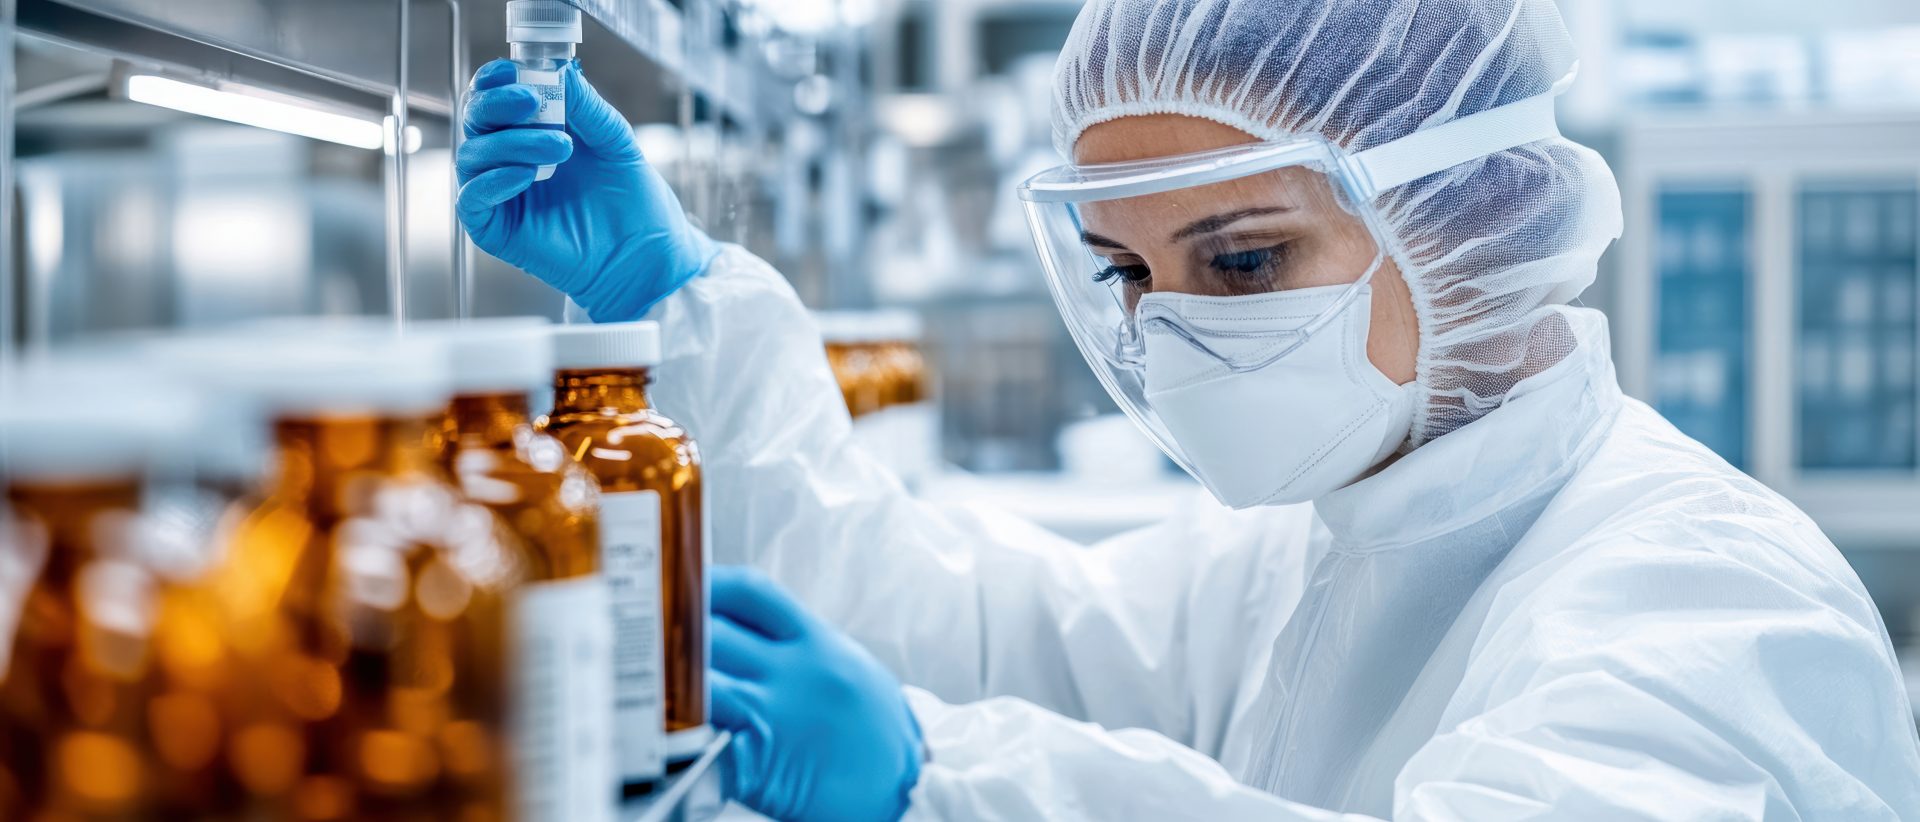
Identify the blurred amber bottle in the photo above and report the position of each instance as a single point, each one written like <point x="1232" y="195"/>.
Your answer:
<point x="911" y="378"/>
<point x="876" y="359"/>
<point x="109" y="694"/>
<point x="366" y="601"/>
<point x="886" y="382"/>
<point x="862" y="384"/>
<point x="652" y="533"/>
<point x="562" y="616"/>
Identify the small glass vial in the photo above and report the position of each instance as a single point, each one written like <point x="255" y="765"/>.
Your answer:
<point x="653" y="538"/>
<point x="541" y="35"/>
<point x="561" y="617"/>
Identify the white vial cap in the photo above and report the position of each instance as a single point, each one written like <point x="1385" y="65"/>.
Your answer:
<point x="543" y="21"/>
<point x="81" y="421"/>
<point x="495" y="355"/>
<point x="607" y="345"/>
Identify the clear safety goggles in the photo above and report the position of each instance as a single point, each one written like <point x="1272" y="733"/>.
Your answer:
<point x="1289" y="223"/>
<point x="1259" y="219"/>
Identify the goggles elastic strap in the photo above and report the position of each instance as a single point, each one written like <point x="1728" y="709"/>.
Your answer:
<point x="1462" y="140"/>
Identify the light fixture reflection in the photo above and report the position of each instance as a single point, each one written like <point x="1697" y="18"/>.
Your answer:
<point x="260" y="112"/>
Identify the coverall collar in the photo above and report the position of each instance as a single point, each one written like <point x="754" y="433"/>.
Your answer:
<point x="1534" y="438"/>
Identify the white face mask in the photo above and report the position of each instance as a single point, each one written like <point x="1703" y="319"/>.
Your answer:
<point x="1290" y="431"/>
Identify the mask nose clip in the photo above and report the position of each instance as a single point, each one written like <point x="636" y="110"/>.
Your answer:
<point x="1130" y="339"/>
<point x="1130" y="346"/>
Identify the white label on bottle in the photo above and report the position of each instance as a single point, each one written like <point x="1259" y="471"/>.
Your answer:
<point x="563" y="679"/>
<point x="630" y="555"/>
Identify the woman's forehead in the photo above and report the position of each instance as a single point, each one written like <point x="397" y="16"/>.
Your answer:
<point x="1152" y="136"/>
<point x="1156" y="136"/>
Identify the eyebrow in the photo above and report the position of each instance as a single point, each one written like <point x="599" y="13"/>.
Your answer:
<point x="1207" y="225"/>
<point x="1091" y="238"/>
<point x="1212" y="224"/>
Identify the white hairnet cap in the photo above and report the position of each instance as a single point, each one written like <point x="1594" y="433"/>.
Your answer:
<point x="1489" y="248"/>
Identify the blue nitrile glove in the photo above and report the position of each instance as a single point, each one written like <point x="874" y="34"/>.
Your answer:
<point x="820" y="730"/>
<point x="605" y="228"/>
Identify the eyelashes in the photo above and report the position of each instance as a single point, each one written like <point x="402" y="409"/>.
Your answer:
<point x="1130" y="274"/>
<point x="1259" y="267"/>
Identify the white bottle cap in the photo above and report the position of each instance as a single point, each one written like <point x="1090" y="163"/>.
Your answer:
<point x="495" y="355"/>
<point x="607" y="345"/>
<point x="344" y="371"/>
<point x="230" y="436"/>
<point x="543" y="21"/>
<point x="879" y="326"/>
<point x="67" y="421"/>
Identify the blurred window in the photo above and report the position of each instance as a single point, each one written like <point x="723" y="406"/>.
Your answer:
<point x="1859" y="293"/>
<point x="1701" y="354"/>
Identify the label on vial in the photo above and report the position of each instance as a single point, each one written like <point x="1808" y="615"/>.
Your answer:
<point x="630" y="557"/>
<point x="552" y="113"/>
<point x="563" y="743"/>
<point x="552" y="92"/>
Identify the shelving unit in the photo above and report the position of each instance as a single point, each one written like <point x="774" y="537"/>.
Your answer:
<point x="1782" y="238"/>
<point x="686" y="65"/>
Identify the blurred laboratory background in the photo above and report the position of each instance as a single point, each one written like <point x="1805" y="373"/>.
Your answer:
<point x="181" y="163"/>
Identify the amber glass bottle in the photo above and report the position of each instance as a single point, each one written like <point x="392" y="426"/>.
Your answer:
<point x="366" y="601"/>
<point x="562" y="617"/>
<point x="74" y="734"/>
<point x="653" y="536"/>
<point x="91" y="724"/>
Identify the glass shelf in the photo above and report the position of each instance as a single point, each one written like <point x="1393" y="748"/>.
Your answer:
<point x="692" y="795"/>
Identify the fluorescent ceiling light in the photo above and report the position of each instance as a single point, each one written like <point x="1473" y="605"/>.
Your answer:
<point x="259" y="112"/>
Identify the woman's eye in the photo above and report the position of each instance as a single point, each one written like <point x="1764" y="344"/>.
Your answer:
<point x="1244" y="262"/>
<point x="1131" y="274"/>
<point x="1255" y="261"/>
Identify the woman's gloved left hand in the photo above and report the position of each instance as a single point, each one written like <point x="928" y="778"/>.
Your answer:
<point x="820" y="729"/>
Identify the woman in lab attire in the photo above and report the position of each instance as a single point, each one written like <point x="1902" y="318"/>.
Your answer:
<point x="1321" y="251"/>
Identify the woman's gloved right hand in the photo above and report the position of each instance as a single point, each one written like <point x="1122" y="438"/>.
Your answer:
<point x="605" y="228"/>
<point x="821" y="731"/>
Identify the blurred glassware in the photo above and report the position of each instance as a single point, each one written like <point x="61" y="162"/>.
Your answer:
<point x="366" y="599"/>
<point x="561" y="632"/>
<point x="109" y="694"/>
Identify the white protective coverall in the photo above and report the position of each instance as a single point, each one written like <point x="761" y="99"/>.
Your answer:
<point x="1566" y="609"/>
<point x="1555" y="606"/>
